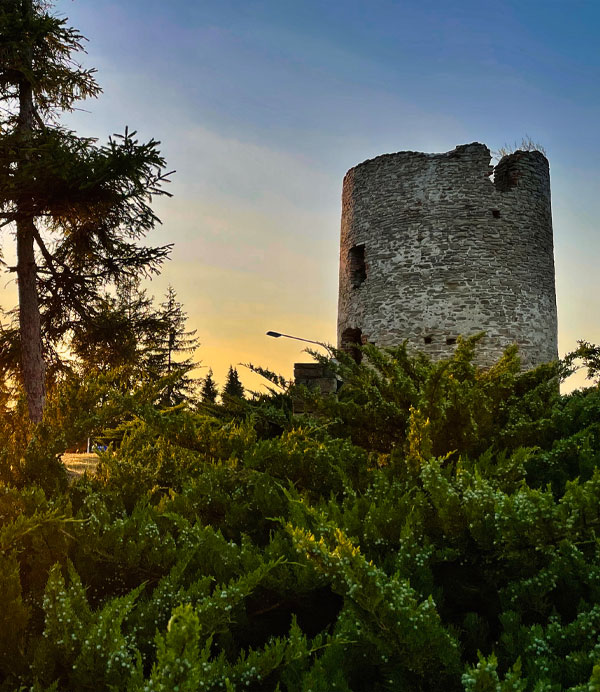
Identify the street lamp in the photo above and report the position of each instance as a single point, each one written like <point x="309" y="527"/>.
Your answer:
<point x="321" y="375"/>
<point x="310" y="379"/>
<point x="276" y="335"/>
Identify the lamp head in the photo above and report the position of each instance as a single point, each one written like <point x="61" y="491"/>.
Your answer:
<point x="276" y="335"/>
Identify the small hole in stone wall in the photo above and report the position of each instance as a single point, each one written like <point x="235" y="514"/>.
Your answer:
<point x="496" y="213"/>
<point x="451" y="340"/>
<point x="428" y="339"/>
<point x="351" y="339"/>
<point x="357" y="265"/>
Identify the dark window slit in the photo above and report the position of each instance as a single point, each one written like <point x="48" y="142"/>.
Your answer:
<point x="357" y="265"/>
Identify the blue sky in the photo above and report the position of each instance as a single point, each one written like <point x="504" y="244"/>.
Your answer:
<point x="262" y="106"/>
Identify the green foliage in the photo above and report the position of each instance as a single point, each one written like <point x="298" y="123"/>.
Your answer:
<point x="435" y="527"/>
<point x="384" y="616"/>
<point x="311" y="465"/>
<point x="184" y="659"/>
<point x="92" y="226"/>
<point x="393" y="401"/>
<point x="118" y="335"/>
<point x="14" y="616"/>
<point x="77" y="209"/>
<point x="29" y="454"/>
<point x="57" y="80"/>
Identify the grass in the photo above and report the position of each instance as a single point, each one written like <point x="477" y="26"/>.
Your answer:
<point x="78" y="464"/>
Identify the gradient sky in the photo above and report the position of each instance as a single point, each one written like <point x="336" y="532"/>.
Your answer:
<point x="262" y="106"/>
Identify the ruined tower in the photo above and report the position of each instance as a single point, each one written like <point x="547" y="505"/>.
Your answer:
<point x="434" y="246"/>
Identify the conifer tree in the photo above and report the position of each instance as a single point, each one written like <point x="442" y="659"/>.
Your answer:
<point x="118" y="335"/>
<point x="167" y="348"/>
<point x="209" y="391"/>
<point x="233" y="387"/>
<point x="77" y="208"/>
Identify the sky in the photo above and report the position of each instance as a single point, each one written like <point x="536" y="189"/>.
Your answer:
<point x="261" y="106"/>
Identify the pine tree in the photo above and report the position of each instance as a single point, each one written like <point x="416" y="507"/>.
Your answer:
<point x="209" y="391"/>
<point x="233" y="387"/>
<point x="166" y="348"/>
<point x="77" y="207"/>
<point x="121" y="328"/>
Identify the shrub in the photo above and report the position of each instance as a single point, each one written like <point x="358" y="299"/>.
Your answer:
<point x="434" y="527"/>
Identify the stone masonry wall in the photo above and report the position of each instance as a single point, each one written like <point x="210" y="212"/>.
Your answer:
<point x="433" y="248"/>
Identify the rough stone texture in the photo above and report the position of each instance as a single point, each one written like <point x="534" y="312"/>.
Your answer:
<point x="313" y="376"/>
<point x="448" y="251"/>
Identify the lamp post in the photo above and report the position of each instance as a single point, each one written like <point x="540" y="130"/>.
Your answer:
<point x="276" y="335"/>
<point x="313" y="374"/>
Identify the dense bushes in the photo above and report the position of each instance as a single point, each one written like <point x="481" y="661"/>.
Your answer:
<point x="434" y="527"/>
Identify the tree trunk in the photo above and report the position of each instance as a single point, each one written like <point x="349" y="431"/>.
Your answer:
<point x="32" y="361"/>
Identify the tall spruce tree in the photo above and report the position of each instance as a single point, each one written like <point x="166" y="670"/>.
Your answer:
<point x="77" y="208"/>
<point x="169" y="351"/>
<point x="209" y="391"/>
<point x="233" y="386"/>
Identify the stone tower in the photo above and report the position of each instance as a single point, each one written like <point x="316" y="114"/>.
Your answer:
<point x="432" y="248"/>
